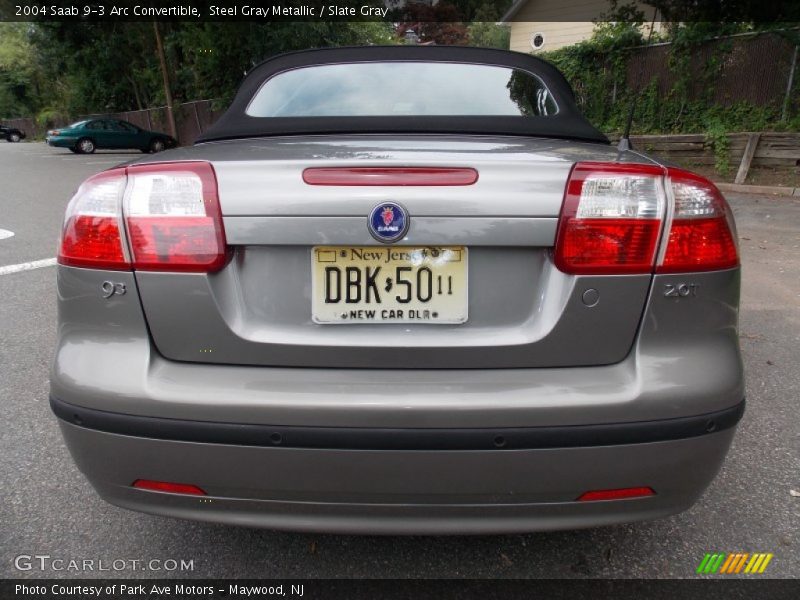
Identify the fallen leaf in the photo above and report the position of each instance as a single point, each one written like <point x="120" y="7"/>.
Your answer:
<point x="794" y="493"/>
<point x="769" y="362"/>
<point x="506" y="560"/>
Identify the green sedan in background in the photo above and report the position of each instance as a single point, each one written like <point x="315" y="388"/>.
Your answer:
<point x="84" y="137"/>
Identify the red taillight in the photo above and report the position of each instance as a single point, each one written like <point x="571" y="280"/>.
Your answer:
<point x="392" y="176"/>
<point x="172" y="215"/>
<point x="91" y="235"/>
<point x="166" y="486"/>
<point x="618" y="494"/>
<point x="701" y="237"/>
<point x="612" y="216"/>
<point x="610" y="219"/>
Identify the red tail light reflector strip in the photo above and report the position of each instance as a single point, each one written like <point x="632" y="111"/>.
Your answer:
<point x="169" y="487"/>
<point x="617" y="494"/>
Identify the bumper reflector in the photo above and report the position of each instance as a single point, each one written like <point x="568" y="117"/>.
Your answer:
<point x="166" y="486"/>
<point x="619" y="494"/>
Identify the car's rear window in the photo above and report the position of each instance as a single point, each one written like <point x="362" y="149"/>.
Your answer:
<point x="402" y="89"/>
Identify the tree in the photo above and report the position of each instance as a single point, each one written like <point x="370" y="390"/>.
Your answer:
<point x="437" y="24"/>
<point x="215" y="56"/>
<point x="17" y="72"/>
<point x="484" y="30"/>
<point x="67" y="69"/>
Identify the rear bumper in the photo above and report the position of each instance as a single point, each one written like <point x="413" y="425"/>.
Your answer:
<point x="399" y="481"/>
<point x="396" y="438"/>
<point x="385" y="450"/>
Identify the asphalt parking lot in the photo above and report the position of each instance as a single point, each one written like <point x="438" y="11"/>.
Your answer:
<point x="47" y="507"/>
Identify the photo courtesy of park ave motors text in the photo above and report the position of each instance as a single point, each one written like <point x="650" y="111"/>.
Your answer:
<point x="486" y="289"/>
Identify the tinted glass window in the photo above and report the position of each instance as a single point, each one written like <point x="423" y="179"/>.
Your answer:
<point x="122" y="126"/>
<point x="96" y="125"/>
<point x="402" y="88"/>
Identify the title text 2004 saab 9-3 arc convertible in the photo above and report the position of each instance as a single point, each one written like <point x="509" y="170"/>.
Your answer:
<point x="399" y="290"/>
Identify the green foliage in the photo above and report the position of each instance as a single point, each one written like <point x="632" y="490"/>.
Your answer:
<point x="17" y="73"/>
<point x="486" y="34"/>
<point x="605" y="75"/>
<point x="620" y="27"/>
<point x="484" y="31"/>
<point x="47" y="117"/>
<point x="52" y="69"/>
<point x="432" y="24"/>
<point x="213" y="57"/>
<point x="717" y="138"/>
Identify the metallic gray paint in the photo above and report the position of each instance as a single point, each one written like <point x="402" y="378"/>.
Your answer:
<point x="518" y="177"/>
<point x="524" y="312"/>
<point x="258" y="312"/>
<point x="426" y="231"/>
<point x="160" y="350"/>
<point x="399" y="492"/>
<point x="685" y="361"/>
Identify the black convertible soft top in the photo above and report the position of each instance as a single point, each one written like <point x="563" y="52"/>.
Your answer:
<point x="568" y="123"/>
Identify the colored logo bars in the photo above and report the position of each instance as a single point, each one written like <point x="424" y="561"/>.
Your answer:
<point x="729" y="563"/>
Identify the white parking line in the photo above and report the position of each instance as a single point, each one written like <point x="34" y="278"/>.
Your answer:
<point x="5" y="233"/>
<point x="34" y="264"/>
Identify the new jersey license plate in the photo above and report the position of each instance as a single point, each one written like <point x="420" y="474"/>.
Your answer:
<point x="374" y="284"/>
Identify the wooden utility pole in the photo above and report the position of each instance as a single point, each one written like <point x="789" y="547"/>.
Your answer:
<point x="173" y="131"/>
<point x="787" y="98"/>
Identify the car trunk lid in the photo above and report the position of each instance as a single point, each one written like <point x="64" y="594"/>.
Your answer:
<point x="521" y="311"/>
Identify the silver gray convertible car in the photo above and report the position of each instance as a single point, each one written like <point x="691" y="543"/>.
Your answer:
<point x="399" y="290"/>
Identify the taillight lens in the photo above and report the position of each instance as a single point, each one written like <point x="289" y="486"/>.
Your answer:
<point x="611" y="219"/>
<point x="173" y="218"/>
<point x="612" y="216"/>
<point x="91" y="233"/>
<point x="702" y="234"/>
<point x="171" y="213"/>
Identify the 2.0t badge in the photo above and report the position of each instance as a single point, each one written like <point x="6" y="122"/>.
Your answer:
<point x="388" y="222"/>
